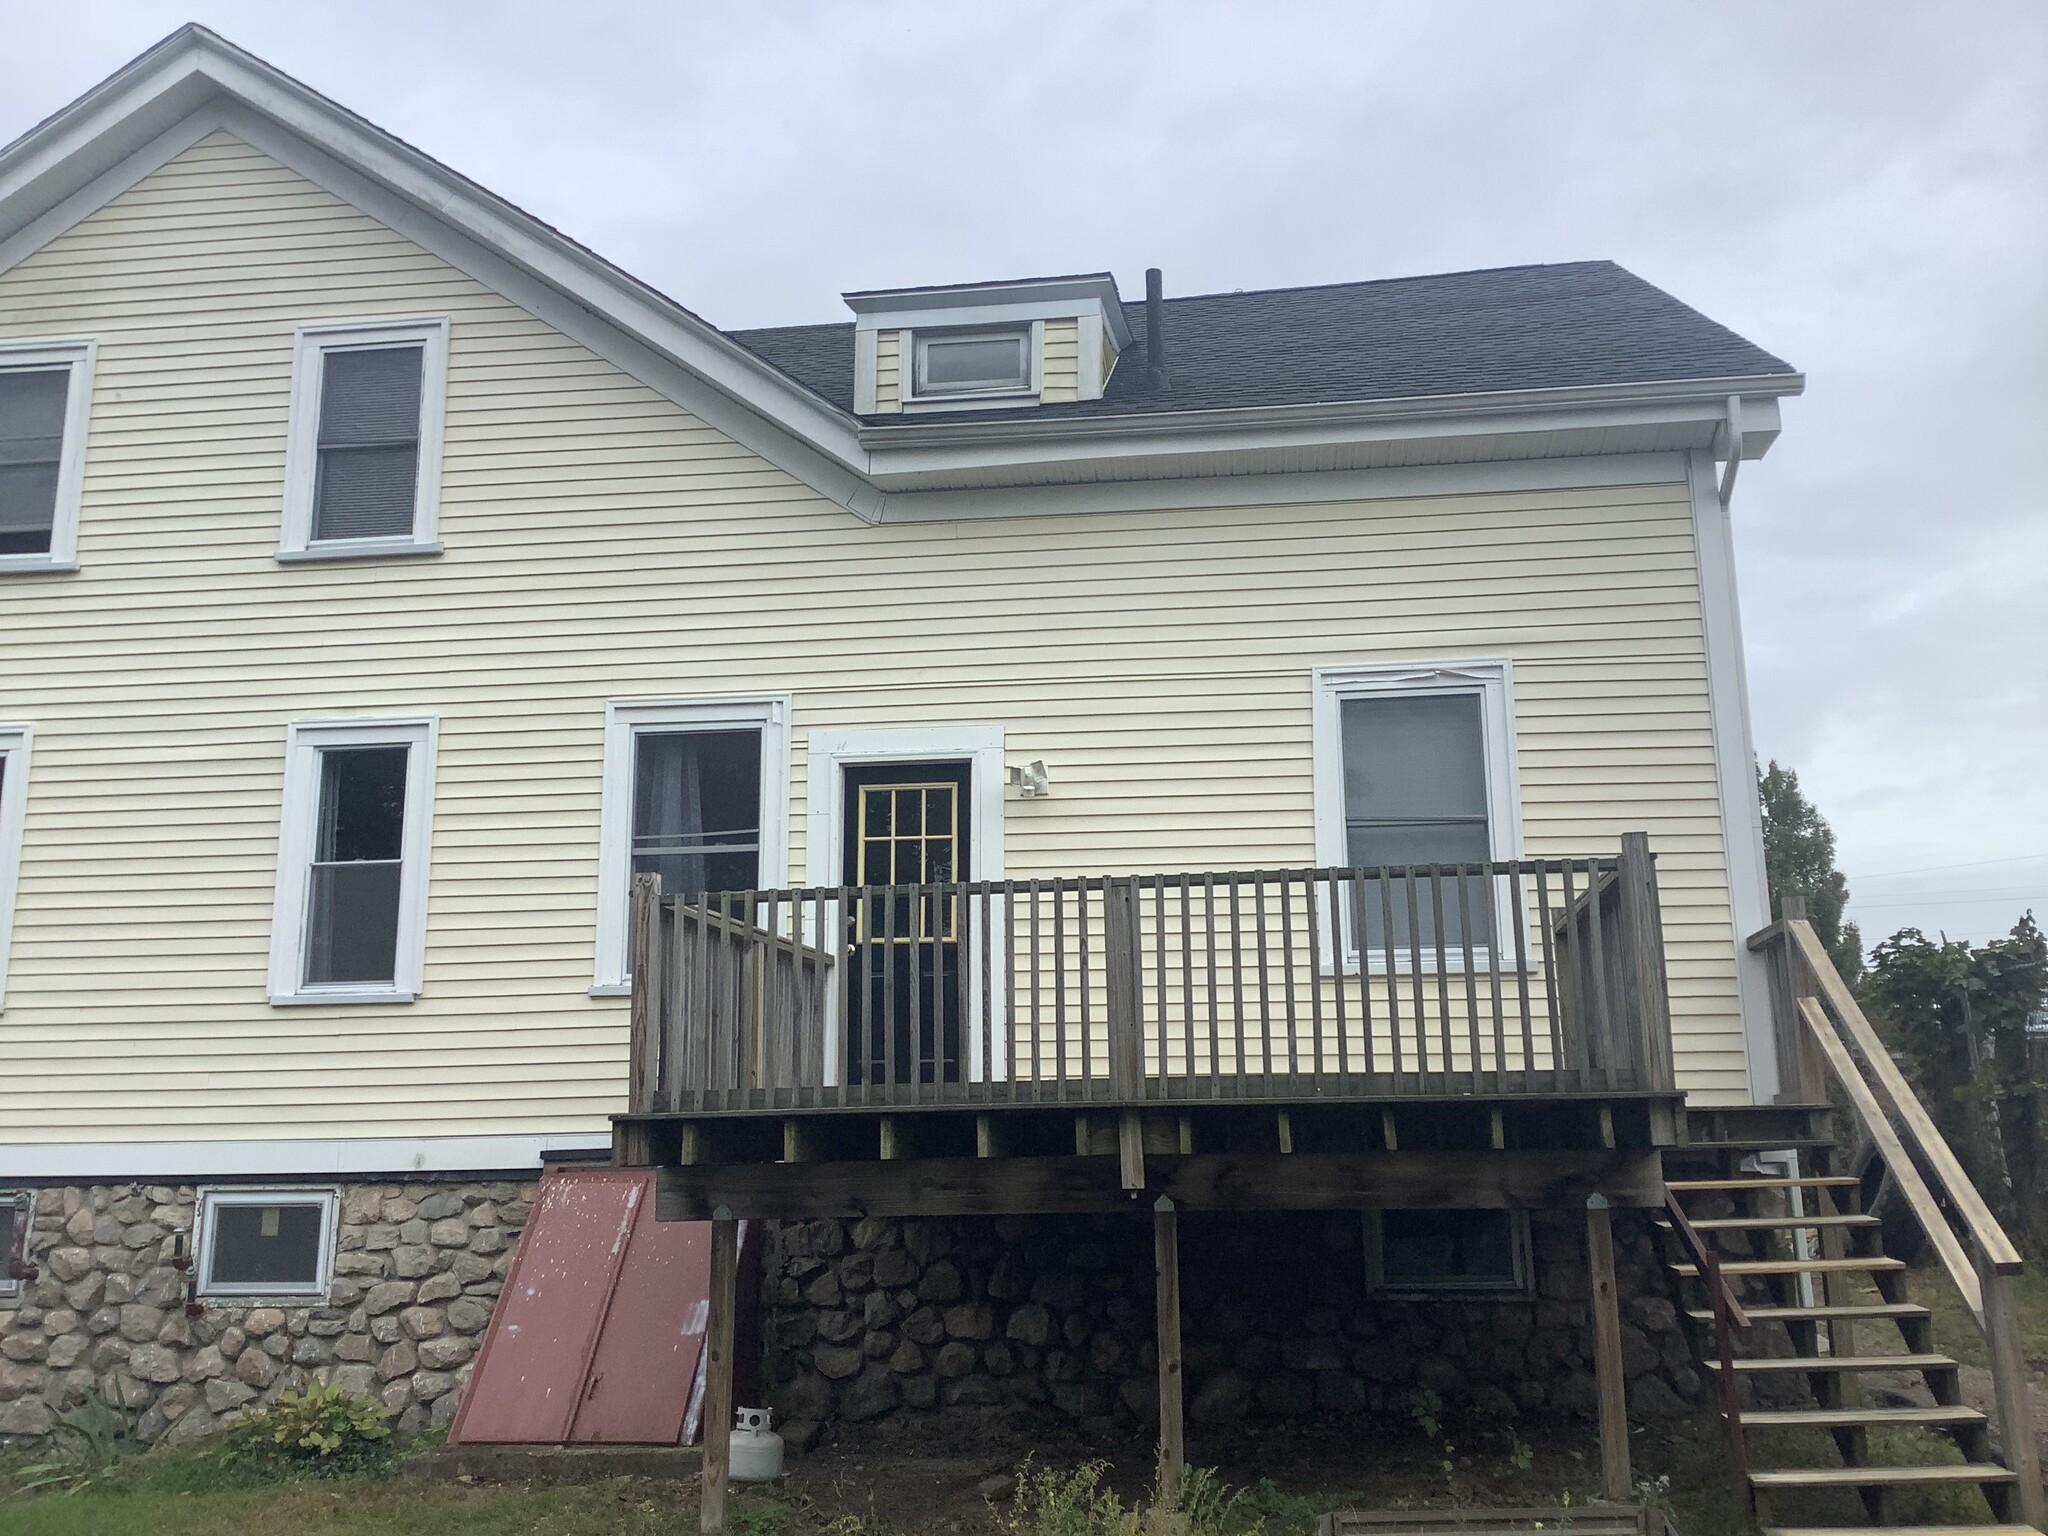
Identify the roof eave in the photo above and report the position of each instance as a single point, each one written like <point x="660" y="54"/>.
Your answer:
<point x="928" y="454"/>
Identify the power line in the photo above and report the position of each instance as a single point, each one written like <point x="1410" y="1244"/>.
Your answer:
<point x="1935" y="869"/>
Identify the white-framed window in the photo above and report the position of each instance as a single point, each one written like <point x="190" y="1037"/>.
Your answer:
<point x="14" y="745"/>
<point x="995" y="361"/>
<point x="362" y="471"/>
<point x="1462" y="1251"/>
<point x="349" y="922"/>
<point x="266" y="1241"/>
<point x="696" y="791"/>
<point x="1415" y="765"/>
<point x="17" y="1219"/>
<point x="45" y="397"/>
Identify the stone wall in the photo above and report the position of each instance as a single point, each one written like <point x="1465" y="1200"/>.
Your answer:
<point x="417" y="1269"/>
<point x="1048" y="1316"/>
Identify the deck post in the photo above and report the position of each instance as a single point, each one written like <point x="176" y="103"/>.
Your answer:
<point x="1607" y="1369"/>
<point x="718" y="1344"/>
<point x="1642" y="962"/>
<point x="1166" y="1267"/>
<point x="2009" y="1393"/>
<point x="643" y="956"/>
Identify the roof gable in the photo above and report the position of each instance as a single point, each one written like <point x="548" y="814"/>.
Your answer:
<point x="1525" y="362"/>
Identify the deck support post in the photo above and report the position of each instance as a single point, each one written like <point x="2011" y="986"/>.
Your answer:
<point x="1166" y="1268"/>
<point x="1607" y="1369"/>
<point x="2009" y="1393"/>
<point x="718" y="1329"/>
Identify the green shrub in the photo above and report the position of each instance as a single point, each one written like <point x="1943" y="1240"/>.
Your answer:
<point x="321" y="1430"/>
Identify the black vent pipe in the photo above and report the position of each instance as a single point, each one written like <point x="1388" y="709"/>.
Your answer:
<point x="1155" y="329"/>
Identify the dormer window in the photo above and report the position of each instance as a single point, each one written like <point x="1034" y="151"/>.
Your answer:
<point x="985" y="346"/>
<point x="973" y="363"/>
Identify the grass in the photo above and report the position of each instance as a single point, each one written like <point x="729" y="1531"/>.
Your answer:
<point x="1955" y="1331"/>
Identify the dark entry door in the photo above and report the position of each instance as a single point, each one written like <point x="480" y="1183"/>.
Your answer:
<point x="906" y="828"/>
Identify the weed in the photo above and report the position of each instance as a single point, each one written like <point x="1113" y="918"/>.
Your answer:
<point x="85" y="1449"/>
<point x="321" y="1429"/>
<point x="1424" y="1407"/>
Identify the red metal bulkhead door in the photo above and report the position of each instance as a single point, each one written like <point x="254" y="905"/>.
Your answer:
<point x="645" y="1367"/>
<point x="597" y="1334"/>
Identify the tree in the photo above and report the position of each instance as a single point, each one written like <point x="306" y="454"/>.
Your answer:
<point x="1959" y="1014"/>
<point x="1799" y="859"/>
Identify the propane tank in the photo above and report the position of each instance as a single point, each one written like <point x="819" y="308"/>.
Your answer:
<point x="756" y="1450"/>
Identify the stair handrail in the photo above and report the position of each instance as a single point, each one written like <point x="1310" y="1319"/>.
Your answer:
<point x="1825" y="1015"/>
<point x="1729" y="1320"/>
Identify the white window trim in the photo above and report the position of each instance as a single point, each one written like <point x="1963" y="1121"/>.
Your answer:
<point x="1492" y="678"/>
<point x="979" y="746"/>
<point x="79" y="357"/>
<point x="624" y="721"/>
<point x="302" y="444"/>
<point x="24" y="1202"/>
<point x="15" y="741"/>
<point x="911" y="365"/>
<point x="210" y="1200"/>
<point x="303" y="743"/>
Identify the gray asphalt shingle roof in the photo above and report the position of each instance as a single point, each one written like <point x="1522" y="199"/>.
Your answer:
<point x="1509" y="328"/>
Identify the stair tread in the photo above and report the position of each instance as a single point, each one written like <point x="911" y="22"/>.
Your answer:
<point x="1900" y="1530"/>
<point x="1900" y="1310"/>
<point x="1774" y="1223"/>
<point x="1873" y="1477"/>
<point x="1820" y="1181"/>
<point x="1823" y="1418"/>
<point x="1841" y="1363"/>
<point x="1755" y="1144"/>
<point x="1796" y="1266"/>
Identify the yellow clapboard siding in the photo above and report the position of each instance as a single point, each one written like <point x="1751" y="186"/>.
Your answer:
<point x="1158" y="661"/>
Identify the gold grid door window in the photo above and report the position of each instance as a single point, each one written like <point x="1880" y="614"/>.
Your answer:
<point x="909" y="835"/>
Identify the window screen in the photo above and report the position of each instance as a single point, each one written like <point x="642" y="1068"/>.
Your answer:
<point x="31" y="447"/>
<point x="358" y="857"/>
<point x="1415" y="793"/>
<point x="369" y="446"/>
<point x="697" y="809"/>
<point x="1451" y="1250"/>
<point x="960" y="364"/>
<point x="270" y="1243"/>
<point x="11" y="1214"/>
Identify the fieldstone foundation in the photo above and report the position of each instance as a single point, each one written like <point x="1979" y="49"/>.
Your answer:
<point x="1053" y="1316"/>
<point x="417" y="1269"/>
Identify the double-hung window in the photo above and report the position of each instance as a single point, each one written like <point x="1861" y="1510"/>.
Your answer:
<point x="695" y="791"/>
<point x="44" y="392"/>
<point x="350" y="914"/>
<point x="265" y="1242"/>
<point x="363" y="463"/>
<point x="1415" y="769"/>
<point x="14" y="744"/>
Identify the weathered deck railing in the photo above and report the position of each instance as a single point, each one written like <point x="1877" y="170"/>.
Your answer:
<point x="1822" y="1033"/>
<point x="1522" y="977"/>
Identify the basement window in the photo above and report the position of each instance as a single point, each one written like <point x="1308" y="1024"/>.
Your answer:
<point x="16" y="1209"/>
<point x="363" y="459"/>
<point x="973" y="363"/>
<point x="265" y="1242"/>
<point x="1434" y="1252"/>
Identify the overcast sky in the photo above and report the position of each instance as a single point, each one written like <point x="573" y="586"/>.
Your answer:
<point x="1861" y="187"/>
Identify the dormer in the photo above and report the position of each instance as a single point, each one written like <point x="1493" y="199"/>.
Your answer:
<point x="985" y="346"/>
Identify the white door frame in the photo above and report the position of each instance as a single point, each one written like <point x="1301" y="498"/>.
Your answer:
<point x="981" y="748"/>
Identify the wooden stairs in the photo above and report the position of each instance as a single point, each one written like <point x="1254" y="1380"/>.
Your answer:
<point x="1824" y="1309"/>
